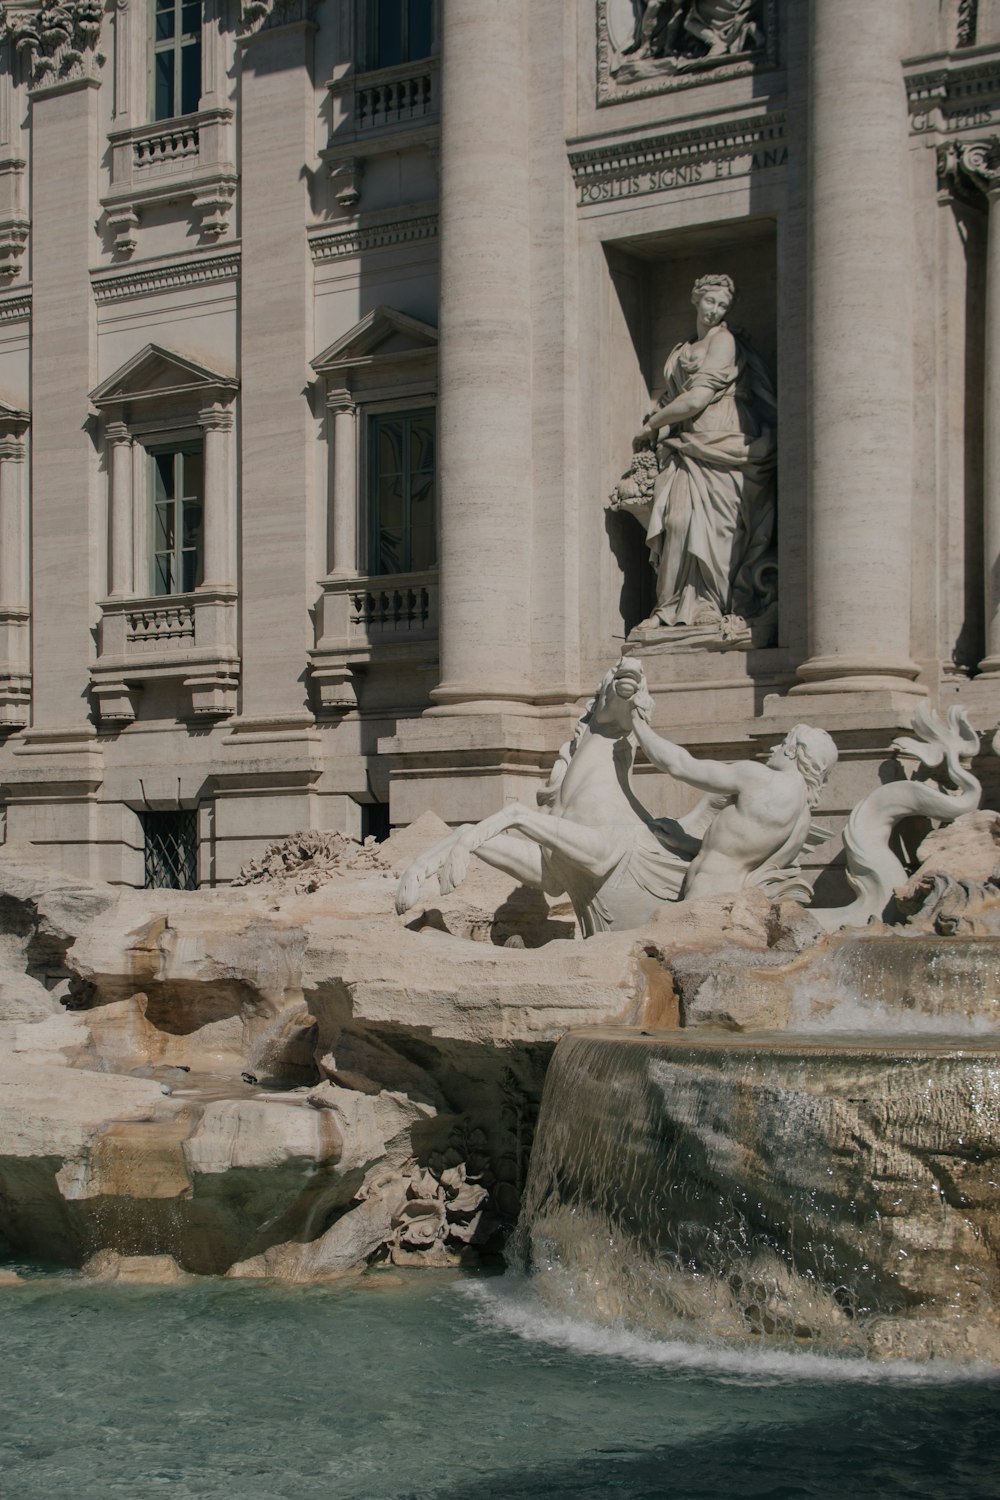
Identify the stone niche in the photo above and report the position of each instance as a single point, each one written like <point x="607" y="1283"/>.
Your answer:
<point x="651" y="312"/>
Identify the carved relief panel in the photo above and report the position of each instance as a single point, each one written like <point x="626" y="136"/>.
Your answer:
<point x="650" y="46"/>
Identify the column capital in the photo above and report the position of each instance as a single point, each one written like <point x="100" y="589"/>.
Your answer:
<point x="12" y="449"/>
<point x="975" y="163"/>
<point x="216" y="418"/>
<point x="117" y="432"/>
<point x="341" y="403"/>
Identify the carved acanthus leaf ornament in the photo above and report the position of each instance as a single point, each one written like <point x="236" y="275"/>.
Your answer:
<point x="58" y="40"/>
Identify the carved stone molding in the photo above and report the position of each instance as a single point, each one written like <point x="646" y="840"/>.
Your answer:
<point x="342" y="244"/>
<point x="968" y="15"/>
<point x="961" y="163"/>
<point x="116" y="286"/>
<point x="15" y="309"/>
<point x="953" y="96"/>
<point x="187" y="160"/>
<point x="678" y="159"/>
<point x="623" y="74"/>
<point x="257" y="16"/>
<point x="58" y="41"/>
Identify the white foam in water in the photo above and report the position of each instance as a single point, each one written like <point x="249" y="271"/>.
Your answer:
<point x="510" y="1304"/>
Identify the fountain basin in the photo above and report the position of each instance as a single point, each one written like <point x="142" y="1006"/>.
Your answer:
<point x="842" y="1193"/>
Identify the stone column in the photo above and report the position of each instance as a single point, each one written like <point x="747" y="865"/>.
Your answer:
<point x="485" y="477"/>
<point x="344" y="499"/>
<point x="860" y="335"/>
<point x="220" y="549"/>
<point x="979" y="163"/>
<point x="13" y="524"/>
<point x="66" y="553"/>
<point x="122" y="551"/>
<point x="279" y="531"/>
<point x="15" y="667"/>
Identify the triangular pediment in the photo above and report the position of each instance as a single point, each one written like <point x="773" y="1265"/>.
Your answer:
<point x="382" y="334"/>
<point x="156" y="374"/>
<point x="12" y="416"/>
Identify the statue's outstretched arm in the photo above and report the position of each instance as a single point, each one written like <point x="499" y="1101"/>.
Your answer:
<point x="709" y="775"/>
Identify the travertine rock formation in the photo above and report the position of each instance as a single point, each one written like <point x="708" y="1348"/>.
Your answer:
<point x="273" y="1082"/>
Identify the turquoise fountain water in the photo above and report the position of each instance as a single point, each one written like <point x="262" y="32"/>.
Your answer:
<point x="420" y="1387"/>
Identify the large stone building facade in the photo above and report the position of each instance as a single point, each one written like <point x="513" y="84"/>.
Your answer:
<point x="325" y="333"/>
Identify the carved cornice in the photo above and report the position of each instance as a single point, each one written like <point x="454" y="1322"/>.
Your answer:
<point x="947" y="94"/>
<point x="342" y="244"/>
<point x="16" y="309"/>
<point x="143" y="281"/>
<point x="267" y="15"/>
<point x="58" y="40"/>
<point x="613" y="90"/>
<point x="679" y="158"/>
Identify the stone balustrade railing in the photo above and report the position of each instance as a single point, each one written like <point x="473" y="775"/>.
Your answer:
<point x="155" y="627"/>
<point x="165" y="147"/>
<point x="371" y="619"/>
<point x="394" y="100"/>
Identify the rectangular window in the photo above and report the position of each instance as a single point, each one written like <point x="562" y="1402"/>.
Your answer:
<point x="401" y="519"/>
<point x="177" y="516"/>
<point x="170" y="843"/>
<point x="399" y="31"/>
<point x="176" y="65"/>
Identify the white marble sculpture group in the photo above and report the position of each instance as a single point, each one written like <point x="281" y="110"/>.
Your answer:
<point x="702" y="485"/>
<point x="591" y="839"/>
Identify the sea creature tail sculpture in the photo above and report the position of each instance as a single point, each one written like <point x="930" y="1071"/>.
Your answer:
<point x="873" y="869"/>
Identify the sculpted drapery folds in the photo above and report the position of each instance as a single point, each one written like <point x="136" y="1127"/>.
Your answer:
<point x="709" y="510"/>
<point x="694" y="30"/>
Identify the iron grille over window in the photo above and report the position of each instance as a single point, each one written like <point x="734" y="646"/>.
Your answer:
<point x="401" y="493"/>
<point x="171" y="848"/>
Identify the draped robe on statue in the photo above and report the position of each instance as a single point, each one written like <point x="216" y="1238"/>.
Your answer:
<point x="712" y="519"/>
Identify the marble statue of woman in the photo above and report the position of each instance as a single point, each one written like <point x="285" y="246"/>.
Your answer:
<point x="710" y="518"/>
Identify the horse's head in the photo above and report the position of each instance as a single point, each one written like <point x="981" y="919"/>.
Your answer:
<point x="623" y="685"/>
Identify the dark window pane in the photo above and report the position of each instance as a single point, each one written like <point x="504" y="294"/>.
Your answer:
<point x="422" y="541"/>
<point x="164" y="85"/>
<point x="419" y="31"/>
<point x="164" y="24"/>
<point x="163" y="476"/>
<point x="191" y="484"/>
<point x="388" y="33"/>
<point x="390" y="447"/>
<point x="164" y="534"/>
<point x="190" y="77"/>
<point x="162" y="580"/>
<point x="421" y="445"/>
<point x="189" y="571"/>
<point x="191" y="19"/>
<point x="192" y="525"/>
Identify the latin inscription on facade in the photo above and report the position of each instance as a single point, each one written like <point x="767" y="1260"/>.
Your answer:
<point x="613" y="185"/>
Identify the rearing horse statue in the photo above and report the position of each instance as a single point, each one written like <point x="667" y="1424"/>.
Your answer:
<point x="592" y="839"/>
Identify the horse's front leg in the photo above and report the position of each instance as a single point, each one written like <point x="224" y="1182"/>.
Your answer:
<point x="423" y="867"/>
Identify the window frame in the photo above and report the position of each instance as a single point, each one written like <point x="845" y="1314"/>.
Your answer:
<point x="152" y="450"/>
<point x="175" y="45"/>
<point x="371" y="28"/>
<point x="374" y="415"/>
